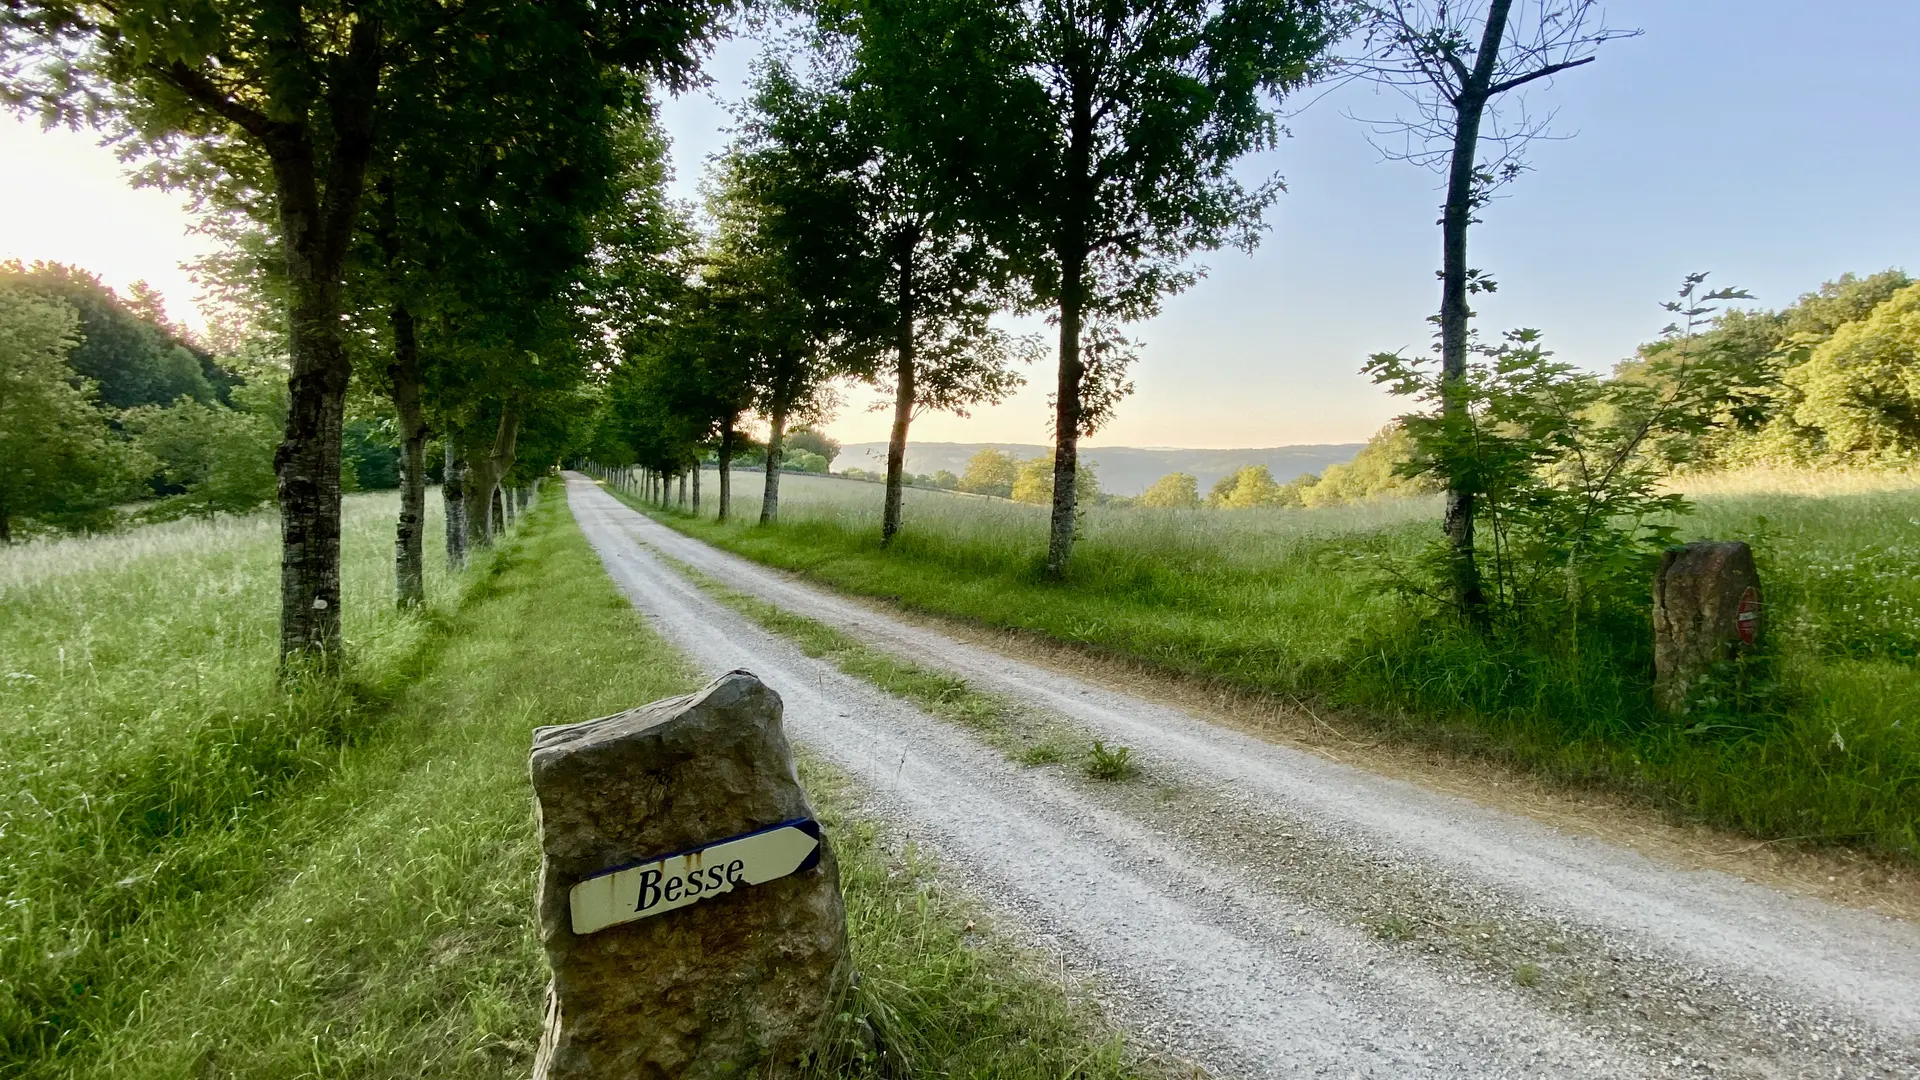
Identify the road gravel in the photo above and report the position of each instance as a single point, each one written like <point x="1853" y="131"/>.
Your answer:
<point x="1261" y="911"/>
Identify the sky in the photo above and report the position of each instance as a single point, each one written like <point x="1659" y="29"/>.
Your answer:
<point x="1768" y="142"/>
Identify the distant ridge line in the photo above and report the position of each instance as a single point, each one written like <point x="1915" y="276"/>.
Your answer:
<point x="1123" y="470"/>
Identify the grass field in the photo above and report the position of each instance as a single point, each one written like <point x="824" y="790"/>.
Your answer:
<point x="1273" y="602"/>
<point x="209" y="876"/>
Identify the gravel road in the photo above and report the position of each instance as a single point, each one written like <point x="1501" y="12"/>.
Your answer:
<point x="1264" y="912"/>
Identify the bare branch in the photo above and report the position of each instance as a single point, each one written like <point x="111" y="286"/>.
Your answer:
<point x="1551" y="69"/>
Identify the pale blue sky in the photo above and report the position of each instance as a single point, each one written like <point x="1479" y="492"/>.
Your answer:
<point x="1769" y="142"/>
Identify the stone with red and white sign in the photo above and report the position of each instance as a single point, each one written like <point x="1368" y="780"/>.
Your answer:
<point x="689" y="904"/>
<point x="1707" y="609"/>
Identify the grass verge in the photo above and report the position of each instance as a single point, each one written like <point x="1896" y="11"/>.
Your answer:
<point x="375" y="919"/>
<point x="1019" y="734"/>
<point x="1275" y="603"/>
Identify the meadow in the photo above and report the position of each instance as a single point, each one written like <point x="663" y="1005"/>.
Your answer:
<point x="209" y="874"/>
<point x="1823" y="748"/>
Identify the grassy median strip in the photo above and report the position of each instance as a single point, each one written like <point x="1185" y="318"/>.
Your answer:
<point x="372" y="914"/>
<point x="1001" y="724"/>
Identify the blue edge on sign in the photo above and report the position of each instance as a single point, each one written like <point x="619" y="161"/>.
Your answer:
<point x="805" y="825"/>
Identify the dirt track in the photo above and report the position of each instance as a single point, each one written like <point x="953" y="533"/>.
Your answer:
<point x="1264" y="912"/>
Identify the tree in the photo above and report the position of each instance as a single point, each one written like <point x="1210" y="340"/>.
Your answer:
<point x="1567" y="470"/>
<point x="813" y="441"/>
<point x="1378" y="470"/>
<point x="58" y="459"/>
<point x="782" y="328"/>
<point x="1861" y="387"/>
<point x="218" y="459"/>
<point x="990" y="472"/>
<point x="889" y="139"/>
<point x="1174" y="491"/>
<point x="1130" y="115"/>
<point x="1034" y="482"/>
<point x="1454" y="61"/>
<point x="1252" y="486"/>
<point x="280" y="103"/>
<point x="126" y="348"/>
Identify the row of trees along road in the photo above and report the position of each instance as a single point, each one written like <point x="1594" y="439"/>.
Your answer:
<point x="464" y="205"/>
<point x="915" y="166"/>
<point x="920" y="165"/>
<point x="412" y="179"/>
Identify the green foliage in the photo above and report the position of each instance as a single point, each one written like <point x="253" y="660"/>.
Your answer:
<point x="369" y="455"/>
<point x="1377" y="471"/>
<point x="1174" y="491"/>
<point x="815" y="442"/>
<point x="1251" y="487"/>
<point x="1111" y="765"/>
<point x="125" y="349"/>
<point x="990" y="472"/>
<point x="1033" y="482"/>
<point x="209" y="458"/>
<point x="1861" y="387"/>
<point x="63" y="465"/>
<point x="803" y="461"/>
<point x="1754" y="360"/>
<point x="1566" y="469"/>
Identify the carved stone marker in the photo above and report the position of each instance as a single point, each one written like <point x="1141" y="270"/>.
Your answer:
<point x="1706" y="608"/>
<point x="689" y="906"/>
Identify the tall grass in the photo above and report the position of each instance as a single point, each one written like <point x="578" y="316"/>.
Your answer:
<point x="367" y="911"/>
<point x="1275" y="601"/>
<point x="143" y="736"/>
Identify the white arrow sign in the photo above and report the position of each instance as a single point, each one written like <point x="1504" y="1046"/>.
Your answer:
<point x="688" y="877"/>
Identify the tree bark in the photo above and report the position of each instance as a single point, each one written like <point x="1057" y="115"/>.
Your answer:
<point x="1455" y="314"/>
<point x="903" y="399"/>
<point x="307" y="468"/>
<point x="483" y="480"/>
<point x="1072" y="249"/>
<point x="770" y="498"/>
<point x="726" y="471"/>
<point x="696" y="489"/>
<point x="453" y="492"/>
<point x="403" y="375"/>
<point x="316" y="220"/>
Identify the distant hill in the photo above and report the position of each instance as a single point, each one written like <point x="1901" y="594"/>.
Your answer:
<point x="1123" y="470"/>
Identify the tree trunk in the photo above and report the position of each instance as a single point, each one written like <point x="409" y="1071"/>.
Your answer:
<point x="483" y="480"/>
<point x="1072" y="249"/>
<point x="453" y="492"/>
<point x="696" y="489"/>
<point x="499" y="511"/>
<point x="770" y="498"/>
<point x="307" y="467"/>
<point x="903" y="400"/>
<point x="683" y="489"/>
<point x="409" y="555"/>
<point x="1455" y="315"/>
<point x="316" y="220"/>
<point x="726" y="472"/>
